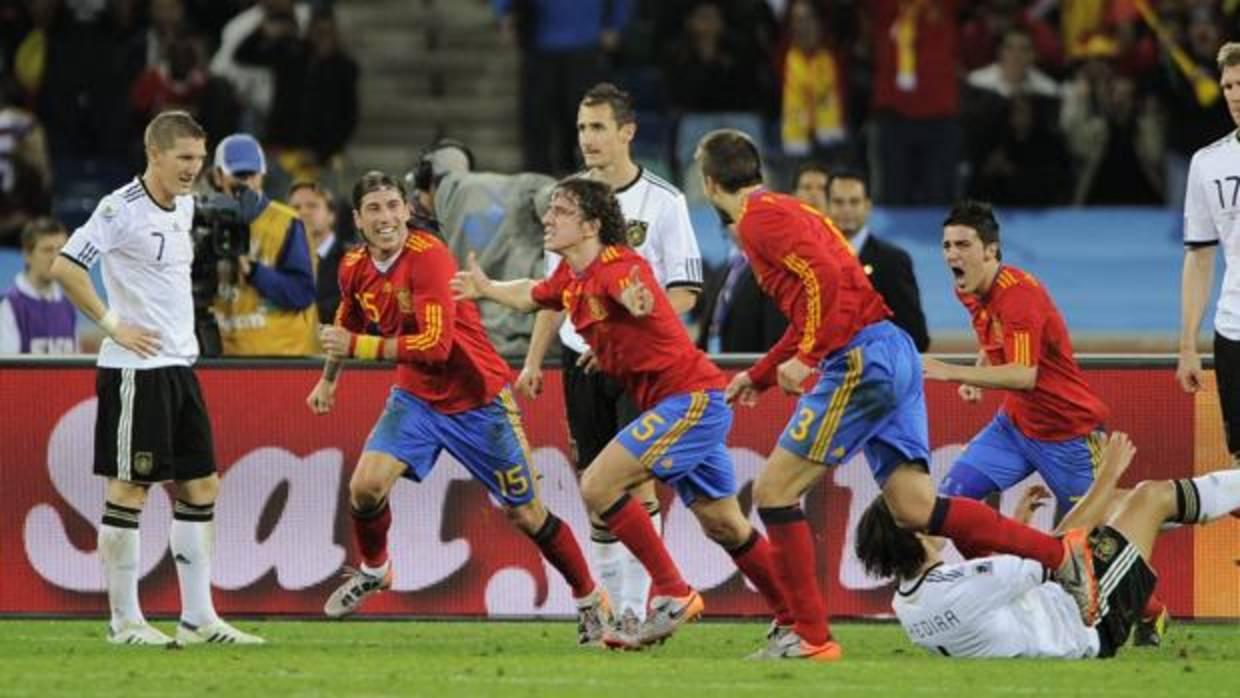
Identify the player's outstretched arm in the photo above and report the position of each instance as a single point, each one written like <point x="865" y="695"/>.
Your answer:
<point x="1011" y="376"/>
<point x="473" y="284"/>
<point x="1094" y="507"/>
<point x="1195" y="283"/>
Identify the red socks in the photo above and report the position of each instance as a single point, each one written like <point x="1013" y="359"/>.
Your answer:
<point x="755" y="561"/>
<point x="559" y="546"/>
<point x="975" y="527"/>
<point x="792" y="549"/>
<point x="629" y="521"/>
<point x="370" y="531"/>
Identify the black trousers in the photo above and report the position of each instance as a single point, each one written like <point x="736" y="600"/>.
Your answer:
<point x="1227" y="371"/>
<point x="597" y="410"/>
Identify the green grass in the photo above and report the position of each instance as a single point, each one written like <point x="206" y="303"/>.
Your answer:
<point x="42" y="658"/>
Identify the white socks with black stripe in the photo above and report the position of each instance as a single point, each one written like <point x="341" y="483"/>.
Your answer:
<point x="1208" y="497"/>
<point x="119" y="546"/>
<point x="192" y="539"/>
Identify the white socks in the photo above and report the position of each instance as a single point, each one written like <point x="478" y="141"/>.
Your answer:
<point x="1210" y="496"/>
<point x="192" y="539"/>
<point x="118" y="549"/>
<point x="620" y="572"/>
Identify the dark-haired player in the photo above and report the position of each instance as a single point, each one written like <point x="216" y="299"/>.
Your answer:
<point x="680" y="434"/>
<point x="868" y="396"/>
<point x="1003" y="606"/>
<point x="656" y="226"/>
<point x="451" y="394"/>
<point x="1051" y="421"/>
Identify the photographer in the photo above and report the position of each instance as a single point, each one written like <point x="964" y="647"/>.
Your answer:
<point x="497" y="216"/>
<point x="264" y="303"/>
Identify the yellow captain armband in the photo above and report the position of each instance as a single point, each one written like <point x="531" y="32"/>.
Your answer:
<point x="366" y="347"/>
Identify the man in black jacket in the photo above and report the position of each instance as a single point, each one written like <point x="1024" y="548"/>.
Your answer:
<point x="737" y="316"/>
<point x="890" y="268"/>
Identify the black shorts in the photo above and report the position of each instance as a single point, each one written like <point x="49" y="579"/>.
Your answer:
<point x="1125" y="582"/>
<point x="152" y="425"/>
<point x="597" y="409"/>
<point x="1227" y="372"/>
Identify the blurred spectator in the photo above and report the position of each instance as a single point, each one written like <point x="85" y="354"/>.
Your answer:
<point x="810" y="185"/>
<point x="1016" y="155"/>
<point x="812" y="115"/>
<point x="889" y="267"/>
<point x="1022" y="160"/>
<point x="717" y="77"/>
<point x="982" y="33"/>
<point x="916" y="100"/>
<point x="166" y="24"/>
<point x="35" y="315"/>
<point x="75" y="74"/>
<point x="737" y="316"/>
<point x="563" y="45"/>
<point x="1013" y="71"/>
<point x="314" y="206"/>
<point x="25" y="174"/>
<point x="314" y="112"/>
<point x="265" y="301"/>
<point x="180" y="80"/>
<point x="1115" y="138"/>
<point x="1193" y="114"/>
<point x="254" y="85"/>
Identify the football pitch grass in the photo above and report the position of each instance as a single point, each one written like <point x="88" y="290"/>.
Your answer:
<point x="408" y="658"/>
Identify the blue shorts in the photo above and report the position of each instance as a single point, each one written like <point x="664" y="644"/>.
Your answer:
<point x="1001" y="456"/>
<point x="487" y="440"/>
<point x="869" y="396"/>
<point x="683" y="442"/>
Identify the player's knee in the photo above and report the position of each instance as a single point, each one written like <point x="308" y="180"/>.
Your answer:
<point x="910" y="513"/>
<point x="595" y="492"/>
<point x="529" y="518"/>
<point x="1151" y="495"/>
<point x="127" y="494"/>
<point x="727" y="532"/>
<point x="201" y="491"/>
<point x="366" y="492"/>
<point x="767" y="492"/>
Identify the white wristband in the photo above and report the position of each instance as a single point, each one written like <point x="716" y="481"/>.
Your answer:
<point x="110" y="322"/>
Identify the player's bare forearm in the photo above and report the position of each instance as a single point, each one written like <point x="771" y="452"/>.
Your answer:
<point x="331" y="369"/>
<point x="516" y="294"/>
<point x="682" y="298"/>
<point x="1005" y="377"/>
<point x="1095" y="506"/>
<point x="79" y="288"/>
<point x="1195" y="282"/>
<point x="546" y="323"/>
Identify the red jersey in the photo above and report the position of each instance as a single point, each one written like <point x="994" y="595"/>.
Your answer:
<point x="1017" y="322"/>
<point x="447" y="359"/>
<point x="652" y="356"/>
<point x="804" y="263"/>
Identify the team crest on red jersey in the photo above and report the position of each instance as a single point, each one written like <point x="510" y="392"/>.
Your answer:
<point x="404" y="301"/>
<point x="597" y="311"/>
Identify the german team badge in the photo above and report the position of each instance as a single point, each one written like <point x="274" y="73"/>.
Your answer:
<point x="635" y="233"/>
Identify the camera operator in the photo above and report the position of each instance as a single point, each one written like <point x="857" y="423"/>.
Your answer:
<point x="496" y="216"/>
<point x="265" y="301"/>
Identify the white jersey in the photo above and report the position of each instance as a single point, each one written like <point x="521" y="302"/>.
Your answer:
<point x="1212" y="216"/>
<point x="146" y="252"/>
<point x="998" y="606"/>
<point x="658" y="228"/>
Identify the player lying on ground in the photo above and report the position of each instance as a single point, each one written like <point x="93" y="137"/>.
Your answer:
<point x="612" y="298"/>
<point x="451" y="393"/>
<point x="1003" y="606"/>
